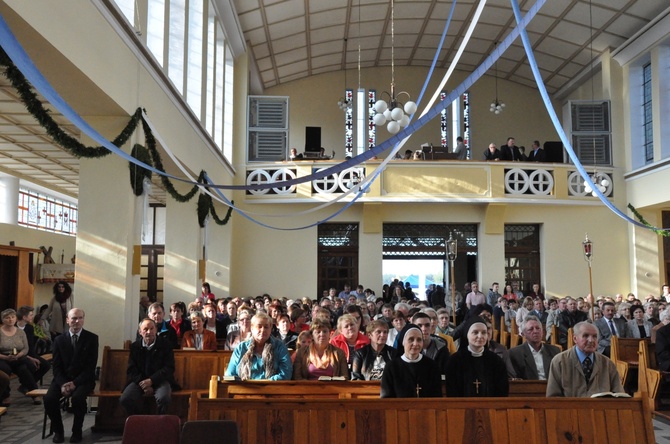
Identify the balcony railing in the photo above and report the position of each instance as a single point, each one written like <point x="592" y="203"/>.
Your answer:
<point x="432" y="180"/>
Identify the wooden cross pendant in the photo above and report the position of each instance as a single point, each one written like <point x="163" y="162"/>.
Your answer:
<point x="418" y="389"/>
<point x="477" y="383"/>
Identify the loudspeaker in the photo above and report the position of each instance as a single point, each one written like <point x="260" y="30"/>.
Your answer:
<point x="313" y="138"/>
<point x="553" y="151"/>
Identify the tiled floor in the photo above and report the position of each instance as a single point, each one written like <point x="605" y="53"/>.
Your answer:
<point x="22" y="424"/>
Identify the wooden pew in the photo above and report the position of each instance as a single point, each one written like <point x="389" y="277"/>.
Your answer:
<point x="504" y="334"/>
<point x="430" y="420"/>
<point x="515" y="338"/>
<point x="624" y="352"/>
<point x="649" y="376"/>
<point x="330" y="389"/>
<point x="193" y="370"/>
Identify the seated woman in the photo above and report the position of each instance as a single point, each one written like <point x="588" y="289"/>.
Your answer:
<point x="14" y="357"/>
<point x="261" y="356"/>
<point x="474" y="370"/>
<point x="370" y="361"/>
<point x="299" y="320"/>
<point x="411" y="375"/>
<point x="284" y="333"/>
<point x="198" y="337"/>
<point x="320" y="358"/>
<point x="349" y="338"/>
<point x="304" y="340"/>
<point x="212" y="323"/>
<point x="639" y="326"/>
<point x="398" y="322"/>
<point x="177" y="320"/>
<point x="243" y="332"/>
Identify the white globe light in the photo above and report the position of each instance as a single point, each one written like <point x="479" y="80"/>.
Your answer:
<point x="601" y="188"/>
<point x="502" y="104"/>
<point x="404" y="121"/>
<point x="410" y="107"/>
<point x="493" y="105"/>
<point x="605" y="182"/>
<point x="492" y="109"/>
<point x="379" y="119"/>
<point x="396" y="114"/>
<point x="393" y="127"/>
<point x="387" y="114"/>
<point x="497" y="111"/>
<point x="587" y="189"/>
<point x="594" y="194"/>
<point x="380" y="106"/>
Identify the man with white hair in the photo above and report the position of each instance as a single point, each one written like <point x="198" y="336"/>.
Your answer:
<point x="580" y="371"/>
<point x="532" y="359"/>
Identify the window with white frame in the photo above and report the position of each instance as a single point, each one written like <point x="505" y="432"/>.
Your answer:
<point x="268" y="128"/>
<point x="648" y="122"/>
<point x="187" y="40"/>
<point x="44" y="212"/>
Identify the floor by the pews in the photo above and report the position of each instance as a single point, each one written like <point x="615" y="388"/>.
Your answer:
<point x="22" y="424"/>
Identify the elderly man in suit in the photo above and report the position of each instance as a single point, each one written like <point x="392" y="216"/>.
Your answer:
<point x="532" y="359"/>
<point x="580" y="372"/>
<point x="75" y="355"/>
<point x="609" y="326"/>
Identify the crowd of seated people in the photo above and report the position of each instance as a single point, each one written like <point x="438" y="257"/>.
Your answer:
<point x="355" y="334"/>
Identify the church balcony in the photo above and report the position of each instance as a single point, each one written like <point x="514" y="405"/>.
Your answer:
<point x="430" y="181"/>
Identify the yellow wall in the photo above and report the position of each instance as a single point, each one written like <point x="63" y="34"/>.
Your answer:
<point x="313" y="102"/>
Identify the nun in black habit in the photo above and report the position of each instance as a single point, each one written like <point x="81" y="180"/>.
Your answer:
<point x="411" y="374"/>
<point x="474" y="370"/>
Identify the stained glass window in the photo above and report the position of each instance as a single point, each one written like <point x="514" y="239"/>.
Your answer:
<point x="44" y="212"/>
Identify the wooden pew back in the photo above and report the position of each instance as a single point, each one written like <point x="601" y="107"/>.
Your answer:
<point x="649" y="377"/>
<point x="624" y="352"/>
<point x="193" y="370"/>
<point x="331" y="389"/>
<point x="430" y="420"/>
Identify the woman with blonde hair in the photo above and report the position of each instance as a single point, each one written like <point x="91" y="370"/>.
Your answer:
<point x="523" y="311"/>
<point x="320" y="358"/>
<point x="349" y="338"/>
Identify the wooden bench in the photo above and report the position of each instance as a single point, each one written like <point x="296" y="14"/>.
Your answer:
<point x="624" y="352"/>
<point x="430" y="420"/>
<point x="330" y="389"/>
<point x="193" y="370"/>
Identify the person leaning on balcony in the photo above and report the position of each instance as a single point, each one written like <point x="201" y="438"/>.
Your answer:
<point x="492" y="153"/>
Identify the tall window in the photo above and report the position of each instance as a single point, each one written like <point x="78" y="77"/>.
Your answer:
<point x="44" y="212"/>
<point x="188" y="42"/>
<point x="522" y="256"/>
<point x="648" y="133"/>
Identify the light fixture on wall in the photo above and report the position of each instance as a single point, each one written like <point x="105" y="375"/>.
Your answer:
<point x="497" y="106"/>
<point x="587" y="246"/>
<point x="395" y="112"/>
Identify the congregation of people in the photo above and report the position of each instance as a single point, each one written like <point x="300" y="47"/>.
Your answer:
<point x="416" y="347"/>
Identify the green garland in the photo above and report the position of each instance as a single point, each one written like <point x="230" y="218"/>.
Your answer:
<point x="137" y="173"/>
<point x="642" y="220"/>
<point x="42" y="115"/>
<point x="148" y="155"/>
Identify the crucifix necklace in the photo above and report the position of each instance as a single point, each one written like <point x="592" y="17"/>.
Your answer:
<point x="418" y="389"/>
<point x="477" y="383"/>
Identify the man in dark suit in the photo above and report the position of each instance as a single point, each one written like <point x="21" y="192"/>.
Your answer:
<point x="150" y="370"/>
<point x="609" y="326"/>
<point x="525" y="358"/>
<point x="510" y="151"/>
<point x="75" y="355"/>
<point x="537" y="154"/>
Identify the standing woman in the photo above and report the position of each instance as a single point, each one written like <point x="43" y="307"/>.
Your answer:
<point x="207" y="293"/>
<point x="59" y="306"/>
<point x="474" y="370"/>
<point x="411" y="375"/>
<point x="320" y="358"/>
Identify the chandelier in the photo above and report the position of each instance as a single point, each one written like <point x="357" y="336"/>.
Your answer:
<point x="497" y="106"/>
<point x="345" y="103"/>
<point x="394" y="112"/>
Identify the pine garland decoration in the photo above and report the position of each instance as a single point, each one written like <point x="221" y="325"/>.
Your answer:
<point x="148" y="155"/>
<point x="642" y="220"/>
<point x="42" y="115"/>
<point x="137" y="173"/>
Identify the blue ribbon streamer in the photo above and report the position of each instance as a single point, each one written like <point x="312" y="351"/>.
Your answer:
<point x="554" y="118"/>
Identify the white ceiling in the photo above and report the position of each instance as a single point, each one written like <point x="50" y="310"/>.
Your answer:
<point x="292" y="39"/>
